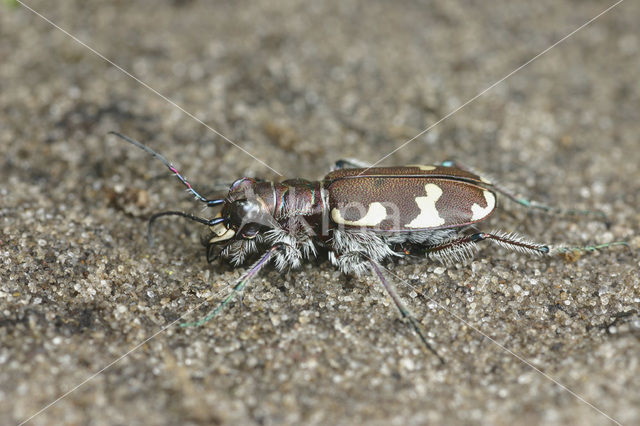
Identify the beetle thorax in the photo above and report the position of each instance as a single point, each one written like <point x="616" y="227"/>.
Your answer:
<point x="252" y="206"/>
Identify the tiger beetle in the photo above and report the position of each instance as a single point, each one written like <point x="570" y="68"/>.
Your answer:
<point x="361" y="216"/>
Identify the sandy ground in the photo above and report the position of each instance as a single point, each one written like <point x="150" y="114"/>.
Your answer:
<point x="299" y="85"/>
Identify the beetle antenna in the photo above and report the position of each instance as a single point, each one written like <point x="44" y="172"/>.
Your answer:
<point x="171" y="167"/>
<point x="154" y="217"/>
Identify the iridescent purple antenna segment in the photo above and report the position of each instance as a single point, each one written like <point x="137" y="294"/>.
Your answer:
<point x="171" y="167"/>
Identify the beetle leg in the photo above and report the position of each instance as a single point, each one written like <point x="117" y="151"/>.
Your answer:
<point x="461" y="249"/>
<point x="239" y="287"/>
<point x="350" y="163"/>
<point x="214" y="251"/>
<point x="497" y="187"/>
<point x="404" y="311"/>
<point x="564" y="249"/>
<point x="512" y="241"/>
<point x="530" y="204"/>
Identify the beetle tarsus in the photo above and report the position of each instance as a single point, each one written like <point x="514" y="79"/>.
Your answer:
<point x="580" y="249"/>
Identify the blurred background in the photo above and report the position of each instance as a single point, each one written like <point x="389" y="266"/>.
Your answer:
<point x="300" y="85"/>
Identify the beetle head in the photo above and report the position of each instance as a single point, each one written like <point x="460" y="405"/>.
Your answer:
<point x="245" y="213"/>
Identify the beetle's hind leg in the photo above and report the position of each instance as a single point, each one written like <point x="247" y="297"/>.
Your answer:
<point x="525" y="202"/>
<point x="350" y="163"/>
<point x="462" y="249"/>
<point x="404" y="311"/>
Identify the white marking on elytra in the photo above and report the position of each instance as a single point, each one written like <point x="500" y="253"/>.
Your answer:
<point x="485" y="180"/>
<point x="479" y="212"/>
<point x="422" y="167"/>
<point x="429" y="216"/>
<point x="375" y="215"/>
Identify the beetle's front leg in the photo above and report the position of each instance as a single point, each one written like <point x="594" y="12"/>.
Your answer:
<point x="240" y="285"/>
